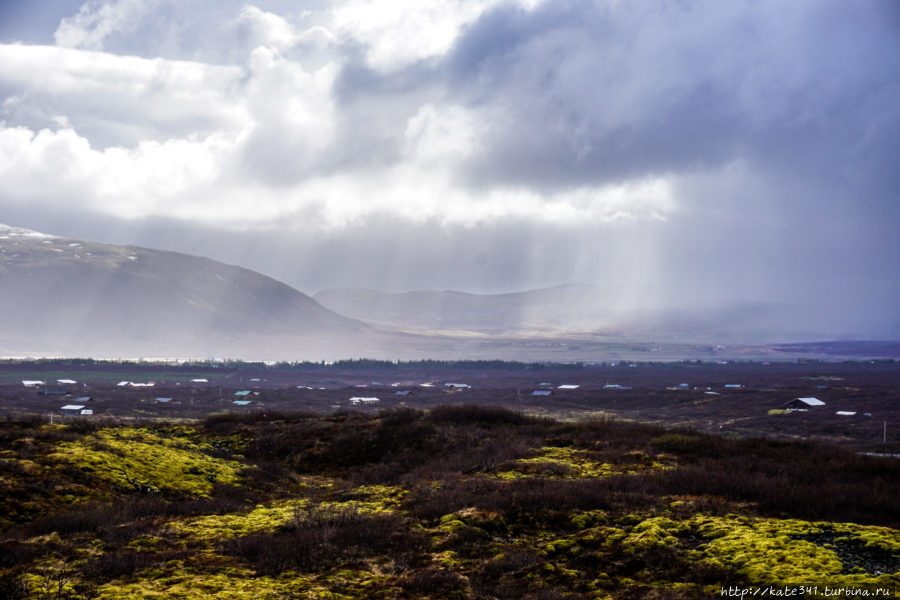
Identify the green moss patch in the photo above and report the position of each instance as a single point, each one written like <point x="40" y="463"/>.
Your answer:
<point x="781" y="551"/>
<point x="376" y="498"/>
<point x="263" y="518"/>
<point x="572" y="463"/>
<point x="149" y="461"/>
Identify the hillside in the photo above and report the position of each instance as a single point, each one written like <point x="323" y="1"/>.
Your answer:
<point x="461" y="502"/>
<point x="68" y="297"/>
<point x="432" y="310"/>
<point x="581" y="309"/>
<point x="63" y="297"/>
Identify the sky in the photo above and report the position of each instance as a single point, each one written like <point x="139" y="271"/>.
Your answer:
<point x="689" y="152"/>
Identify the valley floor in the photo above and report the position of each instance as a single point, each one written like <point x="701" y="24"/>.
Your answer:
<point x="463" y="502"/>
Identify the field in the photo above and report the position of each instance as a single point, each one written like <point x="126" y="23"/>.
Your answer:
<point x="870" y="389"/>
<point x="486" y="493"/>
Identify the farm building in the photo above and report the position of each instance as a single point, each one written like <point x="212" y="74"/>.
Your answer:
<point x="456" y="387"/>
<point x="733" y="386"/>
<point x="242" y="393"/>
<point x="84" y="399"/>
<point x="541" y="393"/>
<point x="804" y="403"/>
<point x="162" y="400"/>
<point x="846" y="413"/>
<point x="403" y="393"/>
<point x="616" y="386"/>
<point x="53" y="392"/>
<point x="567" y="386"/>
<point x="72" y="409"/>
<point x="357" y="400"/>
<point x="32" y="383"/>
<point x="66" y="381"/>
<point x="242" y="402"/>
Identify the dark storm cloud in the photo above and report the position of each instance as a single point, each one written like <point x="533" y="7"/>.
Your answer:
<point x="588" y="91"/>
<point x="330" y="152"/>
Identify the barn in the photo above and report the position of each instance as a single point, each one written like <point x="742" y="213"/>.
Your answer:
<point x="803" y="403"/>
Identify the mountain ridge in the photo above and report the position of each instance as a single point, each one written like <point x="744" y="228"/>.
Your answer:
<point x="61" y="297"/>
<point x="74" y="295"/>
<point x="580" y="309"/>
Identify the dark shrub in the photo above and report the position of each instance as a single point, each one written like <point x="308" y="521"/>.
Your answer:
<point x="682" y="444"/>
<point x="112" y="565"/>
<point x="319" y="536"/>
<point x="12" y="587"/>
<point x="469" y="414"/>
<point x="13" y="552"/>
<point x="432" y="581"/>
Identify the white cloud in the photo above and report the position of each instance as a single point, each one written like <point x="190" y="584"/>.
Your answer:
<point x="260" y="144"/>
<point x="271" y="30"/>
<point x="96" y="20"/>
<point x="151" y="178"/>
<point x="460" y="114"/>
<point x="401" y="32"/>
<point x="186" y="178"/>
<point x="442" y="133"/>
<point x="152" y="98"/>
<point x="276" y="32"/>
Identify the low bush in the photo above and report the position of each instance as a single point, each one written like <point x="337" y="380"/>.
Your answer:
<point x="106" y="517"/>
<point x="322" y="535"/>
<point x="432" y="581"/>
<point x="469" y="414"/>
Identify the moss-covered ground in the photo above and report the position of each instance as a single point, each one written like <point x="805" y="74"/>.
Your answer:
<point x="459" y="502"/>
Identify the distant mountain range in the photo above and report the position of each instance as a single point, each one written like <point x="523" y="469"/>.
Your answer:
<point x="65" y="297"/>
<point x="571" y="309"/>
<point x="544" y="310"/>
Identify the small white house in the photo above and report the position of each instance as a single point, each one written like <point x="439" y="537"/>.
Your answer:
<point x="72" y="409"/>
<point x="568" y="386"/>
<point x="33" y="383"/>
<point x="357" y="400"/>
